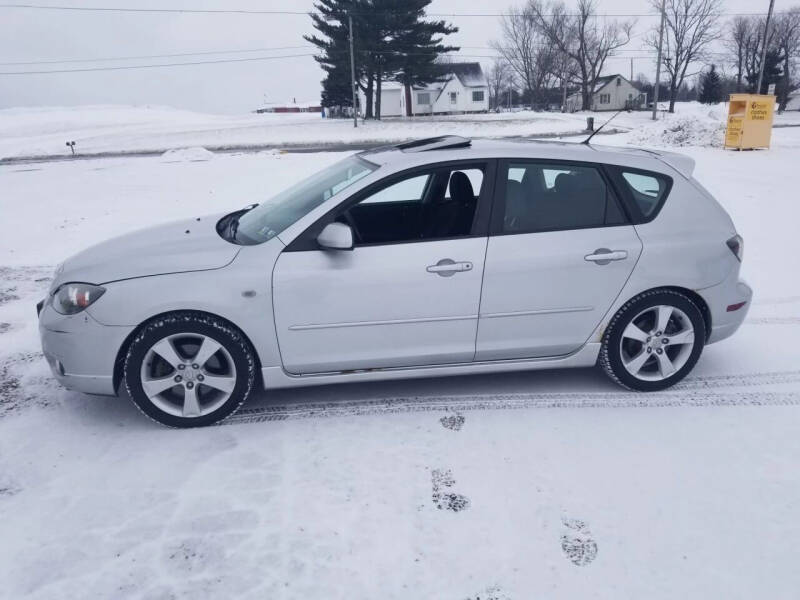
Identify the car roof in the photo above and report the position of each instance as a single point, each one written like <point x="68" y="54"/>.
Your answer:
<point x="455" y="148"/>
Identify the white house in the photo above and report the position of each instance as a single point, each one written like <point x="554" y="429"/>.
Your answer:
<point x="463" y="89"/>
<point x="612" y="92"/>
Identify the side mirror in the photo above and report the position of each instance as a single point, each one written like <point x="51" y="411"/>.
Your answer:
<point x="336" y="236"/>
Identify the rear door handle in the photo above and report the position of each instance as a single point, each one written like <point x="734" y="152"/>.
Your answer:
<point x="603" y="256"/>
<point x="448" y="267"/>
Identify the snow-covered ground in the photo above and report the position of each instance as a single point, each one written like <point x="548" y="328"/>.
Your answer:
<point x="36" y="132"/>
<point x="551" y="484"/>
<point x="100" y="129"/>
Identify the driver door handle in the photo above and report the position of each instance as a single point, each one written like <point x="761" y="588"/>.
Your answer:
<point x="447" y="267"/>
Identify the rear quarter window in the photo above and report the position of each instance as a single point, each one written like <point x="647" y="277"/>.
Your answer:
<point x="645" y="190"/>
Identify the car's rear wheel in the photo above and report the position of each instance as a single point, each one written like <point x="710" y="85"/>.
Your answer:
<point x="189" y="369"/>
<point x="653" y="341"/>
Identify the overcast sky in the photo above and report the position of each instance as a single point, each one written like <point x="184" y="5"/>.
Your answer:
<point x="45" y="35"/>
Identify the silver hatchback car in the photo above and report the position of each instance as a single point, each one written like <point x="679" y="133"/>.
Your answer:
<point x="435" y="257"/>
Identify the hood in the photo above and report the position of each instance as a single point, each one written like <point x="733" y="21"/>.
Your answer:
<point x="187" y="245"/>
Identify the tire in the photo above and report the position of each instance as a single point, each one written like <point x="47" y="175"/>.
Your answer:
<point x="189" y="369"/>
<point x="641" y="353"/>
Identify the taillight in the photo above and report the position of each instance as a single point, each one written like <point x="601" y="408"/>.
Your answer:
<point x="736" y="244"/>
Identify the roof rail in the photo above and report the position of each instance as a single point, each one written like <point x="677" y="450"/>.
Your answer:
<point x="442" y="142"/>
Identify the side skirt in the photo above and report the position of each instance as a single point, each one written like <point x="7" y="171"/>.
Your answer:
<point x="276" y="377"/>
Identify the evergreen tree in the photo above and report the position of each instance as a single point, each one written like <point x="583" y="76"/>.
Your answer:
<point x="330" y="21"/>
<point x="419" y="48"/>
<point x="772" y="72"/>
<point x="391" y="39"/>
<point x="711" y="87"/>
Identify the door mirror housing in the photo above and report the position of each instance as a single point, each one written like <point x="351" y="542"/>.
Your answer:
<point x="336" y="236"/>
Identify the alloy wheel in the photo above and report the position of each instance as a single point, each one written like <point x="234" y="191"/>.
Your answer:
<point x="188" y="375"/>
<point x="657" y="343"/>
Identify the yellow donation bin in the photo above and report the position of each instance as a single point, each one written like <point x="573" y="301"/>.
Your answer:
<point x="749" y="121"/>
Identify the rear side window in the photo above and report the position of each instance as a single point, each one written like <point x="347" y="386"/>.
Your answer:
<point x="648" y="190"/>
<point x="550" y="197"/>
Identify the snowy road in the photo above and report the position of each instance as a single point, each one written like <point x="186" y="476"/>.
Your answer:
<point x="515" y="486"/>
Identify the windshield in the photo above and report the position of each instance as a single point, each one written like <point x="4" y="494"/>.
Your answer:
<point x="267" y="220"/>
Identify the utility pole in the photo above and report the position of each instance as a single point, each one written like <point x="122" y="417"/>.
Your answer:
<point x="764" y="47"/>
<point x="631" y="68"/>
<point x="352" y="71"/>
<point x="658" y="61"/>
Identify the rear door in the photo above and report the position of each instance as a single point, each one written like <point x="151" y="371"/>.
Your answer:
<point x="560" y="250"/>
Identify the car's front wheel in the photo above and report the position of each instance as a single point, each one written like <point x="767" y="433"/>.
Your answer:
<point x="653" y="341"/>
<point x="189" y="369"/>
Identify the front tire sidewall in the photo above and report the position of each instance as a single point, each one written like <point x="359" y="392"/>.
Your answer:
<point x="198" y="323"/>
<point x="611" y="358"/>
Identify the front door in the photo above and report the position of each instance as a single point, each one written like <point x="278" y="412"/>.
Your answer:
<point x="408" y="294"/>
<point x="560" y="252"/>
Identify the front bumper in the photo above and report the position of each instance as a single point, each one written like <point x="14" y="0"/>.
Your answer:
<point x="720" y="298"/>
<point x="80" y="351"/>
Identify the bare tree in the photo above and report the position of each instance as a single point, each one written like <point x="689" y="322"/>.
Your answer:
<point x="691" y="25"/>
<point x="499" y="78"/>
<point x="565" y="71"/>
<point x="738" y="39"/>
<point x="525" y="49"/>
<point x="582" y="36"/>
<point x="787" y="42"/>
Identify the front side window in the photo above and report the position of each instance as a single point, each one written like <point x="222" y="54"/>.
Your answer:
<point x="435" y="204"/>
<point x="477" y="96"/>
<point x="549" y="197"/>
<point x="268" y="219"/>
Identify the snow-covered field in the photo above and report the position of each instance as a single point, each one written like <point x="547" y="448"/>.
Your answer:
<point x="100" y="129"/>
<point x="516" y="486"/>
<point x="36" y="132"/>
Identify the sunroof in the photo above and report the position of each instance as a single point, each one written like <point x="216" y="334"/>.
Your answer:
<point x="441" y="142"/>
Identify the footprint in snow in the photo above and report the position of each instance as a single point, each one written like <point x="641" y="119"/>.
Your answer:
<point x="441" y="479"/>
<point x="454" y="421"/>
<point x="494" y="592"/>
<point x="577" y="542"/>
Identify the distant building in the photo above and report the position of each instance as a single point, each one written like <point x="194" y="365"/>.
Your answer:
<point x="612" y="92"/>
<point x="291" y="107"/>
<point x="463" y="89"/>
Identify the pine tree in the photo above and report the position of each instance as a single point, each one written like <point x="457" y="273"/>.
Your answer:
<point x="419" y="48"/>
<point x="772" y="72"/>
<point x="330" y="21"/>
<point x="392" y="42"/>
<point x="711" y="87"/>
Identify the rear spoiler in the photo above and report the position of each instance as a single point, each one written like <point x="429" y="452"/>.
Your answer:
<point x="680" y="162"/>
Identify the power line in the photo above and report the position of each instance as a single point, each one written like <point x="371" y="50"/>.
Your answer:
<point x="214" y="62"/>
<point x="244" y="11"/>
<point x="148" y="56"/>
<point x="155" y="66"/>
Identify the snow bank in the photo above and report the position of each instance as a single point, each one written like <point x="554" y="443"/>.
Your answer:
<point x="695" y="125"/>
<point x="195" y="154"/>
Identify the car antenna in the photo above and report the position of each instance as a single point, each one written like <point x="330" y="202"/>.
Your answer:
<point x="596" y="131"/>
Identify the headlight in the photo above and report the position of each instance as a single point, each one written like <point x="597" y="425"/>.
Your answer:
<point x="72" y="298"/>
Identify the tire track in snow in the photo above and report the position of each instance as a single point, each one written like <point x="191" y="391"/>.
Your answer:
<point x="773" y="321"/>
<point x="738" y="380"/>
<point x="315" y="410"/>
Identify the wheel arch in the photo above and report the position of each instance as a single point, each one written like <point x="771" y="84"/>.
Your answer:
<point x="691" y="294"/>
<point x="698" y="300"/>
<point x="119" y="361"/>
